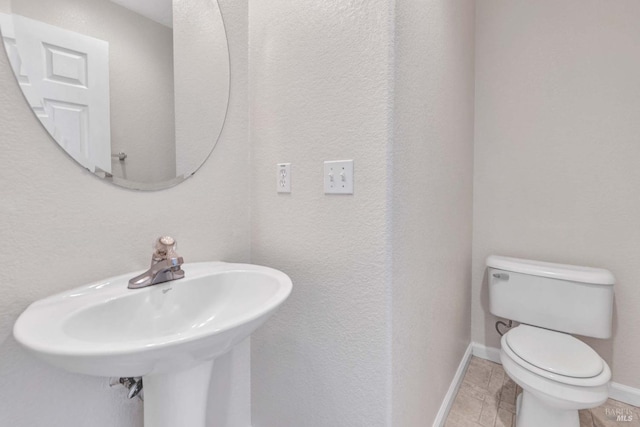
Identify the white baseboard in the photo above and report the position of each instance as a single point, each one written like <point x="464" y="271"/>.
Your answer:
<point x="487" y="353"/>
<point x="443" y="412"/>
<point x="625" y="394"/>
<point x="619" y="392"/>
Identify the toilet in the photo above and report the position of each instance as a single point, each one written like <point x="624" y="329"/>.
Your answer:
<point x="558" y="373"/>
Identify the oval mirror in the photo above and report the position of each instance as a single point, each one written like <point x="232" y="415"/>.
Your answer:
<point x="136" y="91"/>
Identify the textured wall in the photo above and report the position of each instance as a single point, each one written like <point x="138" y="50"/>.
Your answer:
<point x="557" y="147"/>
<point x="141" y="80"/>
<point x="320" y="90"/>
<point x="432" y="198"/>
<point x="62" y="227"/>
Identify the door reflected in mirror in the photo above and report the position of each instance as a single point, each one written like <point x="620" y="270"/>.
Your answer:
<point x="136" y="91"/>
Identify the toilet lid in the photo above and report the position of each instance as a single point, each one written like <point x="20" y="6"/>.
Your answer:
<point x="554" y="352"/>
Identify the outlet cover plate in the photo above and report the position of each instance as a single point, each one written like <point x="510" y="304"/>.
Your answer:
<point x="284" y="178"/>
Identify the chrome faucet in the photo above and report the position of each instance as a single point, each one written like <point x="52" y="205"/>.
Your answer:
<point x="165" y="265"/>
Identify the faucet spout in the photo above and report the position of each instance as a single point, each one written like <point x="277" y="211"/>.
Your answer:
<point x="165" y="265"/>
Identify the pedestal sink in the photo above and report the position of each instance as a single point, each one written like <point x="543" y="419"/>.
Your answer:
<point x="169" y="334"/>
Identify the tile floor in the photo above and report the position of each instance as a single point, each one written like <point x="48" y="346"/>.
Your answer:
<point x="487" y="398"/>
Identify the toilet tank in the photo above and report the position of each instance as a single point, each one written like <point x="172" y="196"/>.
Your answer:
<point x="567" y="298"/>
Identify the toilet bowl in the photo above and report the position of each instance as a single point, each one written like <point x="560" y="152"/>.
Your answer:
<point x="558" y="373"/>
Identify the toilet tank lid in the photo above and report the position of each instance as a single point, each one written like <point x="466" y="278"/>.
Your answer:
<point x="573" y="273"/>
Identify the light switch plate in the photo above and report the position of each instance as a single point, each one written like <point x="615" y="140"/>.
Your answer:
<point x="284" y="178"/>
<point x="338" y="177"/>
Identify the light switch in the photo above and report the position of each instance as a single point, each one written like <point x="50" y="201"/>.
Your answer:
<point x="284" y="178"/>
<point x="338" y="177"/>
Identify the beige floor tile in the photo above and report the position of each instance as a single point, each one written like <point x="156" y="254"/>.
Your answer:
<point x="508" y="406"/>
<point x="456" y="420"/>
<point x="586" y="420"/>
<point x="508" y="392"/>
<point x="467" y="406"/>
<point x="495" y="383"/>
<point x="472" y="391"/>
<point x="484" y="362"/>
<point x="504" y="418"/>
<point x="479" y="374"/>
<point x="615" y="414"/>
<point x="487" y="398"/>
<point x="489" y="413"/>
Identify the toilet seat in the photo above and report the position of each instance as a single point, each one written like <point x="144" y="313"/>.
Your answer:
<point x="556" y="356"/>
<point x="555" y="352"/>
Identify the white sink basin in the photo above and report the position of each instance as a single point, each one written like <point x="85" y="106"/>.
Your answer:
<point x="168" y="333"/>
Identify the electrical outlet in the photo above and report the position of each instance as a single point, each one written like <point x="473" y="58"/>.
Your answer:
<point x="284" y="178"/>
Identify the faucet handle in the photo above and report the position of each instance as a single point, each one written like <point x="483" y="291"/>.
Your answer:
<point x="166" y="240"/>
<point x="165" y="247"/>
<point x="165" y="244"/>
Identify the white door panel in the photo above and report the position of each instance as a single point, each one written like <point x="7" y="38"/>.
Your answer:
<point x="66" y="75"/>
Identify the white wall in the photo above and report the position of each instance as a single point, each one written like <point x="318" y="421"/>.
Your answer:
<point x="557" y="149"/>
<point x="432" y="197"/>
<point x="380" y="312"/>
<point x="141" y="80"/>
<point x="62" y="227"/>
<point x="320" y="89"/>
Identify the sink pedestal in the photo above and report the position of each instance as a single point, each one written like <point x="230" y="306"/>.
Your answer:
<point x="177" y="398"/>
